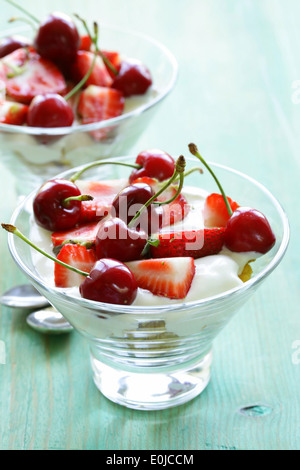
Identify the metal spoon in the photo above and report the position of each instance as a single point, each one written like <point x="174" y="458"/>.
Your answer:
<point x="49" y="320"/>
<point x="45" y="320"/>
<point x="24" y="296"/>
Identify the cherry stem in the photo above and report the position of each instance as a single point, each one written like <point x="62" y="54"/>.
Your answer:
<point x="99" y="163"/>
<point x="23" y="10"/>
<point x="98" y="51"/>
<point x="12" y="229"/>
<point x="82" y="197"/>
<point x="89" y="72"/>
<point x="194" y="151"/>
<point x="190" y="171"/>
<point x="25" y="20"/>
<point x="179" y="170"/>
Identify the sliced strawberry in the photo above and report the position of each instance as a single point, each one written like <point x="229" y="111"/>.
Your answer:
<point x="77" y="256"/>
<point x="215" y="211"/>
<point x="173" y="212"/>
<point x="98" y="104"/>
<point x="81" y="234"/>
<point x="103" y="193"/>
<point x="115" y="59"/>
<point x="166" y="277"/>
<point x="82" y="65"/>
<point x="13" y="113"/>
<point x="28" y="75"/>
<point x="85" y="43"/>
<point x="194" y="243"/>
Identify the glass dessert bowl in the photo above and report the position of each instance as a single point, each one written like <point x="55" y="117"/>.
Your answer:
<point x="156" y="356"/>
<point x="34" y="154"/>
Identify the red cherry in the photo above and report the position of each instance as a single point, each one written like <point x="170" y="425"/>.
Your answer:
<point x="115" y="240"/>
<point x="133" y="78"/>
<point x="155" y="164"/>
<point x="10" y="44"/>
<point x="130" y="200"/>
<point x="49" y="110"/>
<point x="248" y="230"/>
<point x="49" y="210"/>
<point x="110" y="281"/>
<point x="57" y="39"/>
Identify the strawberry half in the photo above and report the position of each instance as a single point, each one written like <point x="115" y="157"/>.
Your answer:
<point x="215" y="211"/>
<point x="191" y="243"/>
<point x="77" y="256"/>
<point x="173" y="212"/>
<point x="13" y="113"/>
<point x="28" y="75"/>
<point x="85" y="42"/>
<point x="82" y="65"/>
<point x="114" y="59"/>
<point x="98" y="104"/>
<point x="168" y="277"/>
<point x="103" y="193"/>
<point x="82" y="234"/>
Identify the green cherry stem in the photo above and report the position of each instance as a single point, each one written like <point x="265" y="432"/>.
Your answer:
<point x="77" y="175"/>
<point x="98" y="51"/>
<point x="179" y="170"/>
<point x="82" y="197"/>
<point x="12" y="229"/>
<point x="23" y="10"/>
<point x="24" y="20"/>
<point x="89" y="72"/>
<point x="194" y="151"/>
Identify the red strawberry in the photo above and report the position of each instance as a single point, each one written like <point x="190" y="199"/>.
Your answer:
<point x="215" y="211"/>
<point x="85" y="43"/>
<point x="103" y="193"/>
<point x="98" y="104"/>
<point x="13" y="113"/>
<point x="166" y="277"/>
<point x="114" y="59"/>
<point x="82" y="65"/>
<point x="77" y="256"/>
<point x="28" y="75"/>
<point x="173" y="212"/>
<point x="82" y="233"/>
<point x="195" y="243"/>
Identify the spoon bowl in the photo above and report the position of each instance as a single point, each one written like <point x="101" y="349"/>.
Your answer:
<point x="24" y="296"/>
<point x="48" y="321"/>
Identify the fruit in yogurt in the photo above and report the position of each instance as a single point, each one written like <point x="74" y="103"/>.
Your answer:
<point x="59" y="59"/>
<point x="165" y="263"/>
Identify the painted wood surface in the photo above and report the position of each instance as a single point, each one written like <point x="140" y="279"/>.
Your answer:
<point x="238" y="62"/>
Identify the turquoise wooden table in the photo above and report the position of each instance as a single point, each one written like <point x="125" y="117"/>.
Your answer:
<point x="236" y="97"/>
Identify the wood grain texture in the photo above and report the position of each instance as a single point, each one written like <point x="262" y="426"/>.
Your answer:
<point x="238" y="61"/>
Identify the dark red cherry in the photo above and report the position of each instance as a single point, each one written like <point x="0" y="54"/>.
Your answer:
<point x="155" y="164"/>
<point x="49" y="110"/>
<point x="110" y="281"/>
<point x="49" y="209"/>
<point x="57" y="39"/>
<point x="130" y="200"/>
<point x="10" y="44"/>
<point x="133" y="78"/>
<point x="248" y="230"/>
<point x="115" y="240"/>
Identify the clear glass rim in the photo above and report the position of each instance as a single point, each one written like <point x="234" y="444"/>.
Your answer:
<point x="117" y="309"/>
<point x="37" y="131"/>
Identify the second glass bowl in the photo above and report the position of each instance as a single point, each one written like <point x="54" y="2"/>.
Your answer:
<point x="35" y="154"/>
